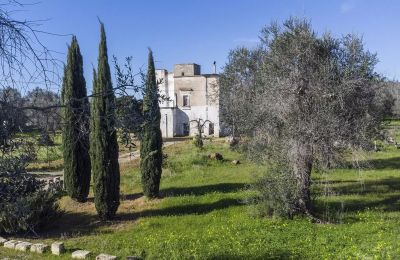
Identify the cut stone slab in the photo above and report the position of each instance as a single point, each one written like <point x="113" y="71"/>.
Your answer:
<point x="23" y="246"/>
<point x="11" y="244"/>
<point x="40" y="248"/>
<point x="106" y="257"/>
<point x="81" y="254"/>
<point x="133" y="258"/>
<point x="57" y="248"/>
<point x="2" y="241"/>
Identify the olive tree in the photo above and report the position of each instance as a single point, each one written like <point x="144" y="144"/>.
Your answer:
<point x="315" y="97"/>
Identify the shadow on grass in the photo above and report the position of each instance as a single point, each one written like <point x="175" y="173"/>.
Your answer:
<point x="379" y="195"/>
<point x="379" y="187"/>
<point x="376" y="164"/>
<point x="276" y="254"/>
<point x="388" y="164"/>
<point x="202" y="190"/>
<point x="191" y="209"/>
<point x="75" y="224"/>
<point x="389" y="204"/>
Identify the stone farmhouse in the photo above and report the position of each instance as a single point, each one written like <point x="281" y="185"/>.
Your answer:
<point x="190" y="95"/>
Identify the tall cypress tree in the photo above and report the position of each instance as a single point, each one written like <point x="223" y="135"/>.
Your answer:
<point x="76" y="126"/>
<point x="151" y="139"/>
<point x="104" y="146"/>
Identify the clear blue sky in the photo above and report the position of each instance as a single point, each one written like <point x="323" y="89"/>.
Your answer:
<point x="202" y="31"/>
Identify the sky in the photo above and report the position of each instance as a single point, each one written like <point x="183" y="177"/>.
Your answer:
<point x="203" y="31"/>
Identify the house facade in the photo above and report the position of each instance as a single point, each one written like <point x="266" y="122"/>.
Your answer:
<point x="188" y="96"/>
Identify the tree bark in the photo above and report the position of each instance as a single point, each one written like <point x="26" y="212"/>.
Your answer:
<point x="302" y="172"/>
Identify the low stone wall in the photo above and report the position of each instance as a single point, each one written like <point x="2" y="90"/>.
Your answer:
<point x="56" y="248"/>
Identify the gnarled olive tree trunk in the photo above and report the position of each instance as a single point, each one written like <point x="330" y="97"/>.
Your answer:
<point x="302" y="166"/>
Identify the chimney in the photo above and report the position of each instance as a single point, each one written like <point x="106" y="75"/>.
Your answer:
<point x="215" y="67"/>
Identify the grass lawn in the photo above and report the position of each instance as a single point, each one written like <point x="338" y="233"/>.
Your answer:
<point x="202" y="214"/>
<point x="50" y="158"/>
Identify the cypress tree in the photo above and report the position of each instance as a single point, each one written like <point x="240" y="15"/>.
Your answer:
<point x="151" y="139"/>
<point x="104" y="146"/>
<point x="76" y="126"/>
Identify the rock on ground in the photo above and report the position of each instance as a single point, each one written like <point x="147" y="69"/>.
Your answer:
<point x="40" y="248"/>
<point x="23" y="246"/>
<point x="235" y="162"/>
<point x="216" y="156"/>
<point x="2" y="241"/>
<point x="57" y="248"/>
<point x="11" y="244"/>
<point x="80" y="254"/>
<point x="106" y="257"/>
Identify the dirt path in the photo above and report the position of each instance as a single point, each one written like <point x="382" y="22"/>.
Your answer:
<point x="123" y="158"/>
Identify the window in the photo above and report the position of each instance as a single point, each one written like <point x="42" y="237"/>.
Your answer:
<point x="183" y="74"/>
<point x="186" y="101"/>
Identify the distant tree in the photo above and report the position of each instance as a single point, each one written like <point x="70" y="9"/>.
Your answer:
<point x="26" y="204"/>
<point x="151" y="139"/>
<point x="129" y="114"/>
<point x="12" y="119"/>
<point x="75" y="135"/>
<point x="104" y="146"/>
<point x="238" y="84"/>
<point x="48" y="119"/>
<point x="200" y="124"/>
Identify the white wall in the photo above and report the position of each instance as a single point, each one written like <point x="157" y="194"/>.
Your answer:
<point x="200" y="89"/>
<point x="167" y="124"/>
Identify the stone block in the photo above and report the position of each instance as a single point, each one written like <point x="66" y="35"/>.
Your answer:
<point x="23" y="246"/>
<point x="80" y="254"/>
<point x="40" y="248"/>
<point x="57" y="248"/>
<point x="106" y="257"/>
<point x="11" y="244"/>
<point x="133" y="258"/>
<point x="2" y="241"/>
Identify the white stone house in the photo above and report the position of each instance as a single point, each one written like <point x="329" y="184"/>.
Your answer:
<point x="190" y="95"/>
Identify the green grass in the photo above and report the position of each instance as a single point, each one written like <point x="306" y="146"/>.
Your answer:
<point x="202" y="214"/>
<point x="50" y="158"/>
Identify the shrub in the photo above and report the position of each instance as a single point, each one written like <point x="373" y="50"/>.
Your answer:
<point x="45" y="139"/>
<point x="276" y="195"/>
<point x="25" y="204"/>
<point x="233" y="143"/>
<point x="198" y="141"/>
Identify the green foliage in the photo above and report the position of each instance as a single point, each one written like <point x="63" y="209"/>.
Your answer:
<point x="301" y="99"/>
<point x="198" y="141"/>
<point x="104" y="146"/>
<point x="202" y="214"/>
<point x="129" y="114"/>
<point x="75" y="135"/>
<point x="151" y="139"/>
<point x="25" y="205"/>
<point x="276" y="195"/>
<point x="45" y="139"/>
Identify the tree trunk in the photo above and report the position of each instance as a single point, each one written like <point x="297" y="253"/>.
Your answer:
<point x="302" y="171"/>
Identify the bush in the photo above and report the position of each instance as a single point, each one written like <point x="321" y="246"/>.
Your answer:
<point x="45" y="139"/>
<point x="233" y="143"/>
<point x="25" y="204"/>
<point x="276" y="195"/>
<point x="198" y="141"/>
